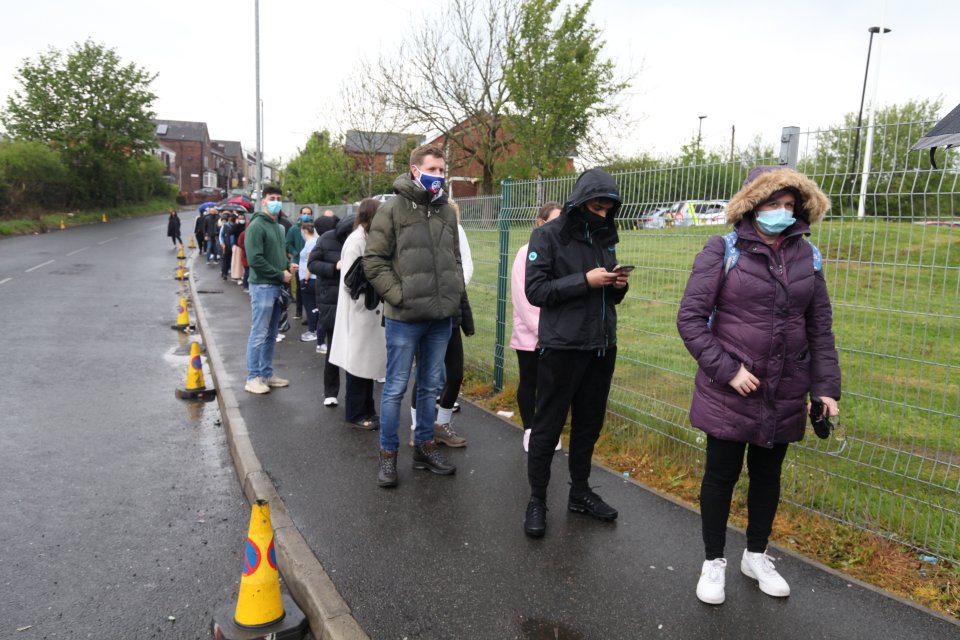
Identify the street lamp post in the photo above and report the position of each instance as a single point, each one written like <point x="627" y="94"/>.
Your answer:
<point x="256" y="39"/>
<point x="699" y="130"/>
<point x="863" y="95"/>
<point x="868" y="152"/>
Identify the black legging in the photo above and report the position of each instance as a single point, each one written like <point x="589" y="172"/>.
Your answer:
<point x="453" y="365"/>
<point x="527" y="386"/>
<point x="723" y="466"/>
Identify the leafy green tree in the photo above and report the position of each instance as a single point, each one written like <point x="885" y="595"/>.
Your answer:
<point x="90" y="107"/>
<point x="32" y="177"/>
<point x="559" y="83"/>
<point x="321" y="172"/>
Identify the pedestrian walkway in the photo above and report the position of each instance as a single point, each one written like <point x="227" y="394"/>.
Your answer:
<point x="446" y="557"/>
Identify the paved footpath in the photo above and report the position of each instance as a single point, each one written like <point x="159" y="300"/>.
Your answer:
<point x="446" y="557"/>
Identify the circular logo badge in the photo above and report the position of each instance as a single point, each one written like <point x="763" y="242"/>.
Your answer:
<point x="532" y="256"/>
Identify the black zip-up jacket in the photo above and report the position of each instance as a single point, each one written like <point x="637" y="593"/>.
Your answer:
<point x="322" y="262"/>
<point x="572" y="314"/>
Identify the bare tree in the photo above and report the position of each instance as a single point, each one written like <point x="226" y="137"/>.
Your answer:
<point x="447" y="75"/>
<point x="369" y="124"/>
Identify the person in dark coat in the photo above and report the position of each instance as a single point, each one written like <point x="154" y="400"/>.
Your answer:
<point x="324" y="262"/>
<point x="761" y="330"/>
<point x="211" y="234"/>
<point x="173" y="229"/>
<point x="573" y="275"/>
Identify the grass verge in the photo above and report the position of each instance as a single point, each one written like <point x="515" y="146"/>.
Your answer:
<point x="51" y="221"/>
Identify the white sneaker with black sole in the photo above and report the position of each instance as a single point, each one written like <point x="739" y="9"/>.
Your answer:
<point x="710" y="588"/>
<point x="330" y="402"/>
<point x="308" y="336"/>
<point x="759" y="566"/>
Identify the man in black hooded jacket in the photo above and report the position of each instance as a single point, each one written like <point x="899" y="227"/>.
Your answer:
<point x="573" y="276"/>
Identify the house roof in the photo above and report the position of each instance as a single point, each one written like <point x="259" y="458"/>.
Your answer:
<point x="375" y="141"/>
<point x="232" y="148"/>
<point x="181" y="130"/>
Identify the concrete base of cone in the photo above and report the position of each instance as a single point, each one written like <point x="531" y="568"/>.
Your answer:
<point x="293" y="624"/>
<point x="184" y="327"/>
<point x="196" y="394"/>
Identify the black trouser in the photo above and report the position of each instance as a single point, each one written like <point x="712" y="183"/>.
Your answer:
<point x="527" y="386"/>
<point x="176" y="238"/>
<point x="358" y="400"/>
<point x="331" y="372"/>
<point x="309" y="303"/>
<point x="578" y="381"/>
<point x="225" y="262"/>
<point x="299" y="299"/>
<point x="453" y="372"/>
<point x="724" y="463"/>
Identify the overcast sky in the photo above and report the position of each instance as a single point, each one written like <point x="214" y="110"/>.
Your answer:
<point x="759" y="65"/>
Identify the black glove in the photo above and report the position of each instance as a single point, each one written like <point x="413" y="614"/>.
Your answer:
<point x="821" y="423"/>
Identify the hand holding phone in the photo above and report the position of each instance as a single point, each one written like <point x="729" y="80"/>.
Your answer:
<point x="623" y="268"/>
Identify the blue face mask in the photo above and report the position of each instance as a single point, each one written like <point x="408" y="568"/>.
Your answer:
<point x="274" y="206"/>
<point x="775" y="222"/>
<point x="433" y="184"/>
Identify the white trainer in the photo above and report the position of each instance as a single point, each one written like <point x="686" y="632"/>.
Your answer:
<point x="712" y="580"/>
<point x="759" y="566"/>
<point x="256" y="385"/>
<point x="330" y="401"/>
<point x="277" y="381"/>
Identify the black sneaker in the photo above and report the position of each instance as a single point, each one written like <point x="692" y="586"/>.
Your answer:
<point x="592" y="505"/>
<point x="387" y="477"/>
<point x="535" y="522"/>
<point x="427" y="456"/>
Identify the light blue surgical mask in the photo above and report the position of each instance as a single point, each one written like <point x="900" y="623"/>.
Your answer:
<point x="775" y="222"/>
<point x="274" y="206"/>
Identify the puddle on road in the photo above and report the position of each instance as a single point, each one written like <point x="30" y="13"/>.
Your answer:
<point x="536" y="629"/>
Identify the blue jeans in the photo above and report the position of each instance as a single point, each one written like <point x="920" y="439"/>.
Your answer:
<point x="264" y="321"/>
<point x="213" y="249"/>
<point x="427" y="341"/>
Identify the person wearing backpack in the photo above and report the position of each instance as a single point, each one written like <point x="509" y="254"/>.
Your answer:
<point x="756" y="316"/>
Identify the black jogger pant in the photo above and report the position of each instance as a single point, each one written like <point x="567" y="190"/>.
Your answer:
<point x="331" y="372"/>
<point x="578" y="381"/>
<point x="527" y="386"/>
<point x="723" y="466"/>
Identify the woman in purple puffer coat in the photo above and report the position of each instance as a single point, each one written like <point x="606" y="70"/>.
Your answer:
<point x="769" y="344"/>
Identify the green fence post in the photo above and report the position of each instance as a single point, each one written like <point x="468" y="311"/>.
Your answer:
<point x="504" y="226"/>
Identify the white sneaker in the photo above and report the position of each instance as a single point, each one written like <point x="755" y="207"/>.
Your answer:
<point x="759" y="566"/>
<point x="712" y="580"/>
<point x="256" y="385"/>
<point x="322" y="348"/>
<point x="308" y="336"/>
<point x="280" y="337"/>
<point x="330" y="402"/>
<point x="277" y="381"/>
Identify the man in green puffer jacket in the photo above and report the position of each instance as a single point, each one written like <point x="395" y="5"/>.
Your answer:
<point x="413" y="261"/>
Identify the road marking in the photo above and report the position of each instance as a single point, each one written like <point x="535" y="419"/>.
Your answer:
<point x="42" y="264"/>
<point x="73" y="253"/>
<point x="159" y="226"/>
<point x="5" y="280"/>
<point x="106" y="241"/>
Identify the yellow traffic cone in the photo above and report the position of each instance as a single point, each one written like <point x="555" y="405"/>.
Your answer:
<point x="183" y="318"/>
<point x="180" y="255"/>
<point x="103" y="217"/>
<point x="180" y="273"/>
<point x="260" y="604"/>
<point x="62" y="225"/>
<point x="195" y="389"/>
<point x="191" y="245"/>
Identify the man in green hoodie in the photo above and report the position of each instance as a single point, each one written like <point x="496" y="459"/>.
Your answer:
<point x="264" y="245"/>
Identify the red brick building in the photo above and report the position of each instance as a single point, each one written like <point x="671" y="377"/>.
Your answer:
<point x="191" y="164"/>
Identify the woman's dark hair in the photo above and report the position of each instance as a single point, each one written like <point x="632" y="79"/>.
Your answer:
<point x="545" y="210"/>
<point x="307" y="226"/>
<point x="365" y="213"/>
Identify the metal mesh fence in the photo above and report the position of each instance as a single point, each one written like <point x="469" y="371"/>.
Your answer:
<point x="893" y="464"/>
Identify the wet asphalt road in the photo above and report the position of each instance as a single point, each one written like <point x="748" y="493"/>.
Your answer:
<point x="121" y="506"/>
<point x="446" y="558"/>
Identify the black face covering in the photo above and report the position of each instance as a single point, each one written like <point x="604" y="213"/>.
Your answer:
<point x="593" y="220"/>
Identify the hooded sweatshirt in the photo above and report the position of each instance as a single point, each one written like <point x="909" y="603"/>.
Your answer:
<point x="574" y="315"/>
<point x="263" y="245"/>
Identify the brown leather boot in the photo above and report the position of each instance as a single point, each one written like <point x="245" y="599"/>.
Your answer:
<point x="387" y="477"/>
<point x="444" y="434"/>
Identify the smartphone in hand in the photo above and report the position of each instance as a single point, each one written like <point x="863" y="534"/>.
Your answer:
<point x="623" y="268"/>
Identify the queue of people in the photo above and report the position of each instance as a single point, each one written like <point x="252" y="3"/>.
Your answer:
<point x="383" y="295"/>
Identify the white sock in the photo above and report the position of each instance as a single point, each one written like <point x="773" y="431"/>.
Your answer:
<point x="413" y="418"/>
<point x="444" y="415"/>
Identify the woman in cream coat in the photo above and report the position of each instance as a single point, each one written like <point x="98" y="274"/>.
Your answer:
<point x="359" y="344"/>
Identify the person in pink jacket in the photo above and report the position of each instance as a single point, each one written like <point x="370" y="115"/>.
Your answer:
<point x="524" y="338"/>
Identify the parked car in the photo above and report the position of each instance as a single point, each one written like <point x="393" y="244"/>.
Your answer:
<point x="691" y="213"/>
<point x="206" y="194"/>
<point x="654" y="219"/>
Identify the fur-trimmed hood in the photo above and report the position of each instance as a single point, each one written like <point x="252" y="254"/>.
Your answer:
<point x="765" y="181"/>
